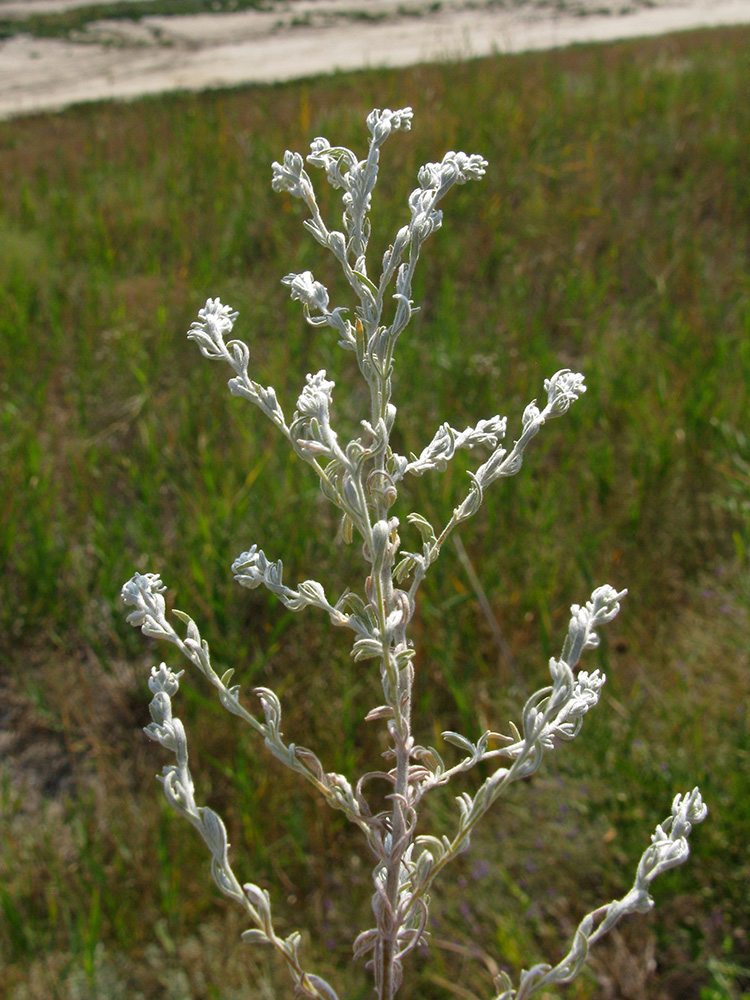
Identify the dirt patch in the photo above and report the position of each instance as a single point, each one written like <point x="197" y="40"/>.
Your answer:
<point x="47" y="756"/>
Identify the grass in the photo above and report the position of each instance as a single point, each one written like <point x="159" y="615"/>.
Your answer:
<point x="612" y="234"/>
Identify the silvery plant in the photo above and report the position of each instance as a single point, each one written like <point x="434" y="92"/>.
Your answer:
<point x="361" y="478"/>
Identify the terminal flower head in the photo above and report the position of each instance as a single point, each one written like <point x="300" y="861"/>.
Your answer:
<point x="564" y="388"/>
<point x="214" y="323"/>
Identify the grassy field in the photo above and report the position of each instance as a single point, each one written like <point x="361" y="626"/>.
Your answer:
<point x="611" y="235"/>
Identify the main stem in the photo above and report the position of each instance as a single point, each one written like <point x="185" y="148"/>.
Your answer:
<point x="389" y="980"/>
<point x="389" y="919"/>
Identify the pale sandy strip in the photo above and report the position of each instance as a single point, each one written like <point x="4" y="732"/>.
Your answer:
<point x="48" y="74"/>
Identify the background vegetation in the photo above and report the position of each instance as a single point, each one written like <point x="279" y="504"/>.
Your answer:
<point x="611" y="235"/>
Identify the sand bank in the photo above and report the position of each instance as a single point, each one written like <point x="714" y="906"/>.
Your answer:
<point x="127" y="59"/>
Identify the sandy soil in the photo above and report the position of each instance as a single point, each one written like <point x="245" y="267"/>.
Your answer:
<point x="124" y="59"/>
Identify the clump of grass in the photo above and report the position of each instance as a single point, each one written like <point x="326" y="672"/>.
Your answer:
<point x="615" y="241"/>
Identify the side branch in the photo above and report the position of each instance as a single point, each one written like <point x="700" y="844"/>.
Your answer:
<point x="551" y="716"/>
<point x="668" y="848"/>
<point x="180" y="793"/>
<point x="215" y="322"/>
<point x="144" y="593"/>
<point x="562" y="391"/>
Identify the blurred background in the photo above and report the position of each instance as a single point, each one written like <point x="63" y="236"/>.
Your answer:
<point x="611" y="235"/>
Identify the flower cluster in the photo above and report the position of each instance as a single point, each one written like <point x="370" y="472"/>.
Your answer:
<point x="669" y="844"/>
<point x="214" y="322"/>
<point x="303" y="288"/>
<point x="564" y="388"/>
<point x="143" y="592"/>
<point x="602" y="608"/>
<point x="290" y="175"/>
<point x="454" y="168"/>
<point x="315" y="399"/>
<point x="448" y="441"/>
<point x="251" y="569"/>
<point x="382" y="123"/>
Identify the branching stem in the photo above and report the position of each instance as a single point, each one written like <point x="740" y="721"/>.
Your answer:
<point x="360" y="480"/>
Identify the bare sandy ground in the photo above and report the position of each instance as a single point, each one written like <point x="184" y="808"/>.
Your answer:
<point x="124" y="59"/>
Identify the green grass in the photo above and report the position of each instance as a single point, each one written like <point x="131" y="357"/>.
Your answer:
<point x="611" y="235"/>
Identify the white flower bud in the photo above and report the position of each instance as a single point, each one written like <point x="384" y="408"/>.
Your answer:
<point x="315" y="399"/>
<point x="303" y="288"/>
<point x="163" y="679"/>
<point x="143" y="592"/>
<point x="337" y="243"/>
<point x="563" y="389"/>
<point x="287" y="176"/>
